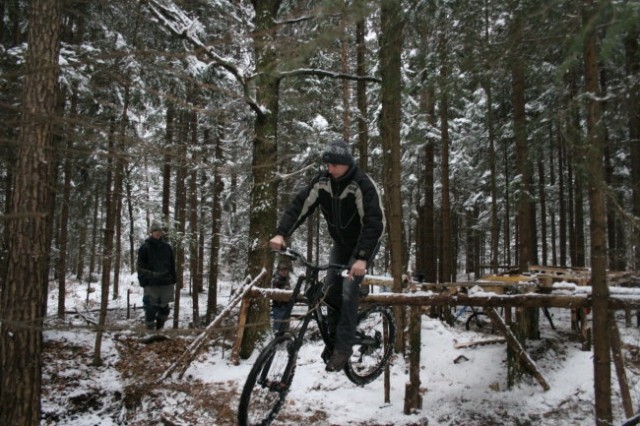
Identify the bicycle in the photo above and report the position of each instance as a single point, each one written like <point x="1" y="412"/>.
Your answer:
<point x="270" y="377"/>
<point x="472" y="317"/>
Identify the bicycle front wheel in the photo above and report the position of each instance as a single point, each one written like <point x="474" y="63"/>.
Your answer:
<point x="375" y="335"/>
<point x="268" y="382"/>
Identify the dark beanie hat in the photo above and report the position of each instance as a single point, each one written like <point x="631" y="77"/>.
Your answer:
<point x="337" y="152"/>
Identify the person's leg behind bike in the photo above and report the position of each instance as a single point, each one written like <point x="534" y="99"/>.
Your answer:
<point x="344" y="296"/>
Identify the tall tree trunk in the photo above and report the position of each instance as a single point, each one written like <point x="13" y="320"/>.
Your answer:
<point x="543" y="209"/>
<point x="522" y="157"/>
<point x="428" y="220"/>
<point x="107" y="246"/>
<point x="595" y="169"/>
<point x="168" y="158"/>
<point x="632" y="62"/>
<point x="180" y="210"/>
<point x="556" y="200"/>
<point x="94" y="234"/>
<point x="263" y="209"/>
<point x="361" y="94"/>
<point x="118" y="179"/>
<point x="193" y="223"/>
<point x="81" y="246"/>
<point x="495" y="226"/>
<point x="132" y="248"/>
<point x="25" y="290"/>
<point x="578" y="230"/>
<point x="392" y="25"/>
<point x="66" y="206"/>
<point x="346" y="90"/>
<point x="507" y="206"/>
<point x="216" y="213"/>
<point x="563" y="206"/>
<point x="447" y="263"/>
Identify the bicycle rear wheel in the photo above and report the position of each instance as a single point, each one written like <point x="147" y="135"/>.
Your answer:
<point x="375" y="335"/>
<point x="268" y="382"/>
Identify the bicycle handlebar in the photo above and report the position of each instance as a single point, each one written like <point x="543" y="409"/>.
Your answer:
<point x="294" y="254"/>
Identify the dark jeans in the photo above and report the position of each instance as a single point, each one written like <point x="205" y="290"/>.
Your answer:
<point x="343" y="297"/>
<point x="277" y="314"/>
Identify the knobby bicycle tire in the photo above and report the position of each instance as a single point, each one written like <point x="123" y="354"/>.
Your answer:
<point x="375" y="335"/>
<point x="478" y="320"/>
<point x="268" y="382"/>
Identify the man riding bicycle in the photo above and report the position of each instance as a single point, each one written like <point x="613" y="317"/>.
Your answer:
<point x="352" y="207"/>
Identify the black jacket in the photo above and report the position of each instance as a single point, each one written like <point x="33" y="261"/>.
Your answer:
<point x="351" y="205"/>
<point x="156" y="263"/>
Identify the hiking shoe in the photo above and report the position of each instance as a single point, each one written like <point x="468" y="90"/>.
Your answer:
<point x="326" y="353"/>
<point x="159" y="324"/>
<point x="338" y="361"/>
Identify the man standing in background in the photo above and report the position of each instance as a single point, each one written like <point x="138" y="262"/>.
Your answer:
<point x="157" y="275"/>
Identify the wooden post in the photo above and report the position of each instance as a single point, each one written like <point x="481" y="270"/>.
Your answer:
<point x="585" y="330"/>
<point x="128" y="303"/>
<point x="618" y="360"/>
<point x="515" y="345"/>
<point x="242" y="321"/>
<point x="412" y="397"/>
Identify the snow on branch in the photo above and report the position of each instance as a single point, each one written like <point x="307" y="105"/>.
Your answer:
<point x="330" y="74"/>
<point x="177" y="21"/>
<point x="285" y="176"/>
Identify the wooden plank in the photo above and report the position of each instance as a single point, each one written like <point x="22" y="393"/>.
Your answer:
<point x="463" y="345"/>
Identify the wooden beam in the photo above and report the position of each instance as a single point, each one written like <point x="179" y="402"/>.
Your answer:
<point x="529" y="300"/>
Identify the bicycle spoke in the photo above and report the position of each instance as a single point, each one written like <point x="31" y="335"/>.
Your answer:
<point x="267" y="383"/>
<point x="374" y="340"/>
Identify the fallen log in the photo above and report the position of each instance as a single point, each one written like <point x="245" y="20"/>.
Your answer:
<point x="462" y="345"/>
<point x="513" y="342"/>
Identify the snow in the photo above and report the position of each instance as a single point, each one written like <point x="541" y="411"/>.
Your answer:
<point x="471" y="391"/>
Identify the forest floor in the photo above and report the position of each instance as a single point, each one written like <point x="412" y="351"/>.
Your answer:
<point x="125" y="388"/>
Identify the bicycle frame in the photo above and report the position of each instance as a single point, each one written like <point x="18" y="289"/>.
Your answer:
<point x="314" y="296"/>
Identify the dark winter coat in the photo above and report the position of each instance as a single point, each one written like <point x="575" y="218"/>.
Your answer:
<point x="351" y="205"/>
<point x="156" y="263"/>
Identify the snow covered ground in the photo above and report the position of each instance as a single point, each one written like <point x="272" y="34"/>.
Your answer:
<point x="473" y="391"/>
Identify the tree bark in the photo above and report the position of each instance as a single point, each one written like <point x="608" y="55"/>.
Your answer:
<point x="24" y="292"/>
<point x="392" y="23"/>
<point x="66" y="206"/>
<point x="193" y="223"/>
<point x="632" y="59"/>
<point x="168" y="158"/>
<point x="361" y="95"/>
<point x="447" y="273"/>
<point x="595" y="169"/>
<point x="107" y="245"/>
<point x="216" y="214"/>
<point x="180" y="211"/>
<point x="264" y="190"/>
<point x="525" y="234"/>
